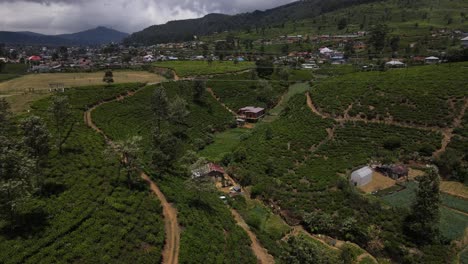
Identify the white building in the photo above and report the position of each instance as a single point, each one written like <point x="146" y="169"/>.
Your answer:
<point x="395" y="64"/>
<point x="465" y="42"/>
<point x="431" y="60"/>
<point x="362" y="176"/>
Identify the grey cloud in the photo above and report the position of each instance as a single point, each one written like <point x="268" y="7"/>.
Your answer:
<point x="60" y="16"/>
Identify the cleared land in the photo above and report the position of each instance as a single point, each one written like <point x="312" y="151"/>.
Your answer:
<point x="42" y="81"/>
<point x="192" y="68"/>
<point x="19" y="93"/>
<point x="454" y="188"/>
<point x="379" y="182"/>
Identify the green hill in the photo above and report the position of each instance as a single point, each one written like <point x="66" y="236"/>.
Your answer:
<point x="427" y="95"/>
<point x="183" y="30"/>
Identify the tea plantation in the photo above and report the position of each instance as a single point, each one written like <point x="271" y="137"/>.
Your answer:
<point x="429" y="95"/>
<point x="209" y="234"/>
<point x="240" y="90"/>
<point x="87" y="213"/>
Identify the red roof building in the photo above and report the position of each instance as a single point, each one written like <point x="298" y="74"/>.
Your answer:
<point x="34" y="58"/>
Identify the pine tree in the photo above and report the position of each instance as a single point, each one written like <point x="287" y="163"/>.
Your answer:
<point x="160" y="106"/>
<point x="423" y="222"/>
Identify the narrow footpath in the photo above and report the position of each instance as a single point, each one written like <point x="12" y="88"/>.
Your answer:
<point x="172" y="231"/>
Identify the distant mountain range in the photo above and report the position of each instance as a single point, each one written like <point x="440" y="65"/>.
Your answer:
<point x="184" y="30"/>
<point x="97" y="36"/>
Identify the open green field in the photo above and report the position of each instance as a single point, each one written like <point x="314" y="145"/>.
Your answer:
<point x="413" y="95"/>
<point x="87" y="212"/>
<point x="224" y="143"/>
<point x="195" y="68"/>
<point x="452" y="223"/>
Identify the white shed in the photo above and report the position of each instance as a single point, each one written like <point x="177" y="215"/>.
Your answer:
<point x="362" y="176"/>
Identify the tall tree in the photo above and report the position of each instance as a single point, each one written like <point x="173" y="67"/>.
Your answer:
<point x="166" y="150"/>
<point x="36" y="140"/>
<point x="199" y="87"/>
<point x="377" y="37"/>
<point x="5" y="116"/>
<point x="423" y="222"/>
<point x="395" y="43"/>
<point x="108" y="77"/>
<point x="129" y="150"/>
<point x="16" y="171"/>
<point x="178" y="111"/>
<point x="60" y="110"/>
<point x="264" y="68"/>
<point x="160" y="106"/>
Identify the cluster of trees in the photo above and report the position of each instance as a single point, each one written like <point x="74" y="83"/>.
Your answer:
<point x="22" y="151"/>
<point x="170" y="120"/>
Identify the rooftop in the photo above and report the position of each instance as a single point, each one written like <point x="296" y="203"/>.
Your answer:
<point x="252" y="109"/>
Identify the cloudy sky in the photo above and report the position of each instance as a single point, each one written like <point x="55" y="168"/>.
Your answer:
<point x="66" y="16"/>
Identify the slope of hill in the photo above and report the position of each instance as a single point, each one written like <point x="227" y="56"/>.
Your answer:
<point x="97" y="36"/>
<point x="185" y="29"/>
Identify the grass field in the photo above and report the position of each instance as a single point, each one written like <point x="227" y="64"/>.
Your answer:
<point x="224" y="143"/>
<point x="193" y="68"/>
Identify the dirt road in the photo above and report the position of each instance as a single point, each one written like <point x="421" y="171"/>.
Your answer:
<point x="172" y="237"/>
<point x="262" y="254"/>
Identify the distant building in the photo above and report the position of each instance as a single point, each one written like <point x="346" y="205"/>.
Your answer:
<point x="393" y="171"/>
<point x="464" y="42"/>
<point x="431" y="60"/>
<point x="395" y="64"/>
<point x="362" y="176"/>
<point x="251" y="113"/>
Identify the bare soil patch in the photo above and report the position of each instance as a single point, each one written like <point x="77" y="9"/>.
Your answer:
<point x="379" y="182"/>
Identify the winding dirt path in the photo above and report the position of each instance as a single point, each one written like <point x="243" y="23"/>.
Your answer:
<point x="262" y="254"/>
<point x="219" y="101"/>
<point x="170" y="252"/>
<point x="447" y="133"/>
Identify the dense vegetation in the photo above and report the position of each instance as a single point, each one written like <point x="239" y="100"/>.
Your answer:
<point x="184" y="30"/>
<point x="241" y="90"/>
<point x="397" y="95"/>
<point x="209" y="234"/>
<point x="133" y="116"/>
<point x="294" y="165"/>
<point x="85" y="211"/>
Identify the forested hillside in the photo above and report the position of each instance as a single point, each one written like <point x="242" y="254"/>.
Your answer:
<point x="184" y="30"/>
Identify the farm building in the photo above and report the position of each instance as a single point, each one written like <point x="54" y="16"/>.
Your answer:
<point x="251" y="113"/>
<point x="431" y="60"/>
<point x="210" y="169"/>
<point x="464" y="42"/>
<point x="393" y="171"/>
<point x="362" y="176"/>
<point x="395" y="64"/>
